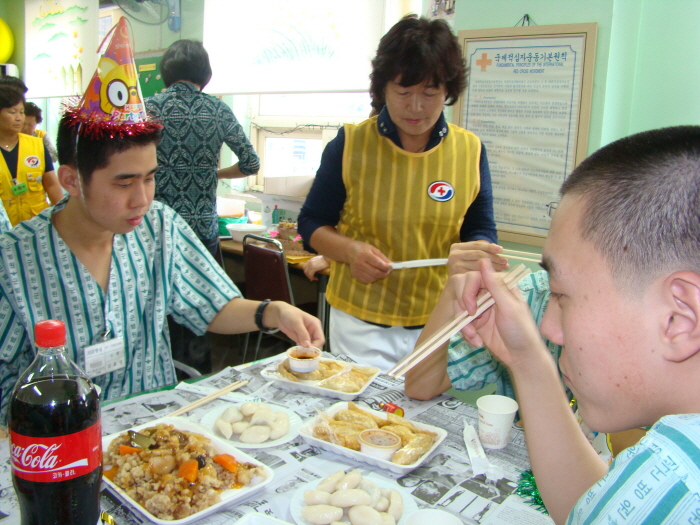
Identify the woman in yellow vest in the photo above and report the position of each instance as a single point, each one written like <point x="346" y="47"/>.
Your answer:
<point x="26" y="171"/>
<point x="402" y="185"/>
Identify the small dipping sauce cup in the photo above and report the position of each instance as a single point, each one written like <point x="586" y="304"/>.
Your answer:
<point x="380" y="444"/>
<point x="303" y="359"/>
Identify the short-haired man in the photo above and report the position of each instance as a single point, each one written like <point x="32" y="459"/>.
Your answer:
<point x="624" y="266"/>
<point x="113" y="264"/>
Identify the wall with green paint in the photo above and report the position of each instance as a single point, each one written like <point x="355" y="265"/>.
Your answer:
<point x="646" y="69"/>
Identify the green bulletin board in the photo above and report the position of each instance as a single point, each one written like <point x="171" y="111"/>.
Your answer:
<point x="148" y="69"/>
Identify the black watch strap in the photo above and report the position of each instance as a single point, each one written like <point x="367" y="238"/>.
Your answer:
<point x="259" y="318"/>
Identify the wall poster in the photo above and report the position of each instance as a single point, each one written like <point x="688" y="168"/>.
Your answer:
<point x="60" y="43"/>
<point x="528" y="98"/>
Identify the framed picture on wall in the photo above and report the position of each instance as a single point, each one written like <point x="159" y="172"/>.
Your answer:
<point x="528" y="99"/>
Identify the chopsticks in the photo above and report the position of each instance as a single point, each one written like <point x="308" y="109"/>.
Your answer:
<point x="484" y="302"/>
<point x="209" y="397"/>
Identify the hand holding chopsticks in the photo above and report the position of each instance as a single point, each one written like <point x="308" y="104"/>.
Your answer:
<point x="210" y="397"/>
<point x="442" y="335"/>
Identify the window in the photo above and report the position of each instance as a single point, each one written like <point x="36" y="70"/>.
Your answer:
<point x="290" y="131"/>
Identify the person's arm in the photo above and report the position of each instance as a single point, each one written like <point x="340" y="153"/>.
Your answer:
<point x="563" y="462"/>
<point x="52" y="187"/>
<point x="238" y="317"/>
<point x="479" y="223"/>
<point x="16" y="348"/>
<point x="5" y="224"/>
<point x="367" y="263"/>
<point x="232" y="172"/>
<point x="203" y="297"/>
<point x="430" y="379"/>
<point x="235" y="138"/>
<point x="50" y="148"/>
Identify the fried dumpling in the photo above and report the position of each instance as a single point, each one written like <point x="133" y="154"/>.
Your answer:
<point x="413" y="450"/>
<point x="352" y="416"/>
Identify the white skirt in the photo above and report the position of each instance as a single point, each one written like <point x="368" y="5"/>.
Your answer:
<point x="368" y="344"/>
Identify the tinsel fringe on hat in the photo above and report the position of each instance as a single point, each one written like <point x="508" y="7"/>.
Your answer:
<point x="99" y="126"/>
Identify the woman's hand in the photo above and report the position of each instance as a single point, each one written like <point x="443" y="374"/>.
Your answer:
<point x="367" y="263"/>
<point x="315" y="265"/>
<point x="465" y="256"/>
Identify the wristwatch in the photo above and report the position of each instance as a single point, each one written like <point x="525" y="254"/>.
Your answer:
<point x="259" y="319"/>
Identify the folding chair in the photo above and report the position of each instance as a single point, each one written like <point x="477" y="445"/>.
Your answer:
<point x="266" y="276"/>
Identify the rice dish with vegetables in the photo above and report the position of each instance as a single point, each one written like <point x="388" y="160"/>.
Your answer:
<point x="178" y="474"/>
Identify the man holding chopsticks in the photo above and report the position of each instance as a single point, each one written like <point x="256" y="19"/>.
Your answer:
<point x="624" y="266"/>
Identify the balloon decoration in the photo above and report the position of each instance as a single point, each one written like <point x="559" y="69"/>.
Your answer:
<point x="7" y="42"/>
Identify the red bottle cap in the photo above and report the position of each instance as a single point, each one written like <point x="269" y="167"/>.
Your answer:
<point x="49" y="333"/>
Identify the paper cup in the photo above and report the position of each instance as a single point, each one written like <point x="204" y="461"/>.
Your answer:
<point x="496" y="414"/>
<point x="423" y="516"/>
<point x="379" y="443"/>
<point x="303" y="359"/>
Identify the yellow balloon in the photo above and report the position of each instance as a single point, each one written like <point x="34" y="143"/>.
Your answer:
<point x="7" y="42"/>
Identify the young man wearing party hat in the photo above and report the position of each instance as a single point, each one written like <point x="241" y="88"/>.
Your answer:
<point x="624" y="271"/>
<point x="111" y="263"/>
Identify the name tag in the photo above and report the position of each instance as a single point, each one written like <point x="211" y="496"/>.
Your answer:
<point x="19" y="189"/>
<point x="106" y="357"/>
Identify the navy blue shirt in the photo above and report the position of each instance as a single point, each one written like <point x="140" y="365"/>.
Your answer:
<point x="326" y="198"/>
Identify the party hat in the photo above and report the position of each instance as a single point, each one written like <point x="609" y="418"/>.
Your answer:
<point x="112" y="105"/>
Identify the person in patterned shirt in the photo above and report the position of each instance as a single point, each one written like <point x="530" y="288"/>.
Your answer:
<point x="624" y="273"/>
<point x="113" y="264"/>
<point x="195" y="126"/>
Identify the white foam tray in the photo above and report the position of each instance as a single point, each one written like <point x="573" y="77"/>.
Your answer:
<point x="306" y="432"/>
<point x="228" y="497"/>
<point x="270" y="373"/>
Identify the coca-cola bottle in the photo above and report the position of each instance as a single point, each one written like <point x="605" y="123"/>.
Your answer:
<point x="55" y="436"/>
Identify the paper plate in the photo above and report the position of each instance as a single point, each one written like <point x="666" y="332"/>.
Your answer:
<point x="295" y="423"/>
<point x="409" y="503"/>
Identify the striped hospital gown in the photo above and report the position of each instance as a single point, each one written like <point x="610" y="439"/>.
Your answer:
<point x="158" y="269"/>
<point x="656" y="481"/>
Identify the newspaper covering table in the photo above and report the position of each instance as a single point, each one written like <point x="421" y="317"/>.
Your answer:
<point x="445" y="481"/>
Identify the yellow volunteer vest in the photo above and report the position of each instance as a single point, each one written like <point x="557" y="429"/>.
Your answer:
<point x="40" y="133"/>
<point x="389" y="206"/>
<point x="30" y="170"/>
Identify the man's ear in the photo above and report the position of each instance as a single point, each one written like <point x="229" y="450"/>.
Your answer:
<point x="682" y="319"/>
<point x="70" y="179"/>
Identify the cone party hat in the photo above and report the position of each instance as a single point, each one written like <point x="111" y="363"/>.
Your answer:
<point x="112" y="105"/>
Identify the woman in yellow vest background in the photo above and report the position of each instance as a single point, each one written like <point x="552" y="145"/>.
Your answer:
<point x="26" y="171"/>
<point x="402" y="185"/>
<point x="32" y="118"/>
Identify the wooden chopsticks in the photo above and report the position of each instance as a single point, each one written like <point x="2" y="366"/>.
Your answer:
<point x="209" y="397"/>
<point x="484" y="302"/>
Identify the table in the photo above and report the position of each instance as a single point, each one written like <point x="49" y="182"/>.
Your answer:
<point x="233" y="248"/>
<point x="445" y="481"/>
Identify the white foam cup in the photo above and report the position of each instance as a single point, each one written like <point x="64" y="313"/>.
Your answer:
<point x="496" y="415"/>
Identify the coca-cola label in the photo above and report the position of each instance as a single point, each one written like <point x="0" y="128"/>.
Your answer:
<point x="59" y="458"/>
